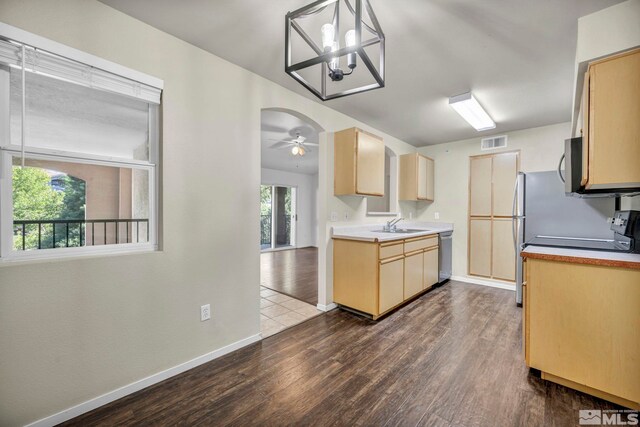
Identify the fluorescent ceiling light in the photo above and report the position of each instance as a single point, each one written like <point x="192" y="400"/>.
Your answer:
<point x="470" y="110"/>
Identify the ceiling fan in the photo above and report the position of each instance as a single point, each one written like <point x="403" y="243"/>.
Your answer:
<point x="298" y="145"/>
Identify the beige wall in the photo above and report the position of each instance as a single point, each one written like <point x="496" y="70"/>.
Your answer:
<point x="540" y="150"/>
<point x="72" y="330"/>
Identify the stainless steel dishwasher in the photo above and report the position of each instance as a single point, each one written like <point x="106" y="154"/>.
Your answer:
<point x="444" y="256"/>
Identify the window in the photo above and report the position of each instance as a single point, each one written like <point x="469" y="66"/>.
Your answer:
<point x="78" y="156"/>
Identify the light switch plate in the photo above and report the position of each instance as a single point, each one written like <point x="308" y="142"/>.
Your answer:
<point x="334" y="216"/>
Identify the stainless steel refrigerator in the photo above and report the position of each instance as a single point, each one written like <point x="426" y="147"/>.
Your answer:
<point x="541" y="208"/>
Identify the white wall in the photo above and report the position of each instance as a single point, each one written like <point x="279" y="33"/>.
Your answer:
<point x="307" y="190"/>
<point x="75" y="329"/>
<point x="540" y="150"/>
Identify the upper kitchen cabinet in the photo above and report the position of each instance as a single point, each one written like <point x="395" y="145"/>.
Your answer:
<point x="611" y="125"/>
<point x="416" y="177"/>
<point x="358" y="163"/>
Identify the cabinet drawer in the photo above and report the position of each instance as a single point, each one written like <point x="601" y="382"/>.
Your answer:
<point x="421" y="243"/>
<point x="391" y="249"/>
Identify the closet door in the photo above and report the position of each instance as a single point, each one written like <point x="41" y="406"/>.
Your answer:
<point x="503" y="251"/>
<point x="480" y="247"/>
<point x="504" y="173"/>
<point x="480" y="186"/>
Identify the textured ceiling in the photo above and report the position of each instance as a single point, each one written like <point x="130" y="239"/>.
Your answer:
<point x="517" y="56"/>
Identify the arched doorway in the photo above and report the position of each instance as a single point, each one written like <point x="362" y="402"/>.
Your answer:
<point x="289" y="202"/>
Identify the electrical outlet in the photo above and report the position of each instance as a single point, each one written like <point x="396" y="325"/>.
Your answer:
<point x="410" y="215"/>
<point x="334" y="216"/>
<point x="205" y="312"/>
<point x="436" y="215"/>
<point x="345" y="216"/>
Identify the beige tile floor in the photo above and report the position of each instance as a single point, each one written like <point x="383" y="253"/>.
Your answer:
<point x="279" y="311"/>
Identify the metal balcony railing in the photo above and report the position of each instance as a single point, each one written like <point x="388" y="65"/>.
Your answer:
<point x="57" y="233"/>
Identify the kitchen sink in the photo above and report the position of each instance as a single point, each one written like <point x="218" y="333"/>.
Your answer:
<point x="402" y="231"/>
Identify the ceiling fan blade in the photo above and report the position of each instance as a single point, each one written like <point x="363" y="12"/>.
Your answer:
<point x="312" y="144"/>
<point x="281" y="144"/>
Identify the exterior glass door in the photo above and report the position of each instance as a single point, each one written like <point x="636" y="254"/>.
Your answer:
<point x="277" y="217"/>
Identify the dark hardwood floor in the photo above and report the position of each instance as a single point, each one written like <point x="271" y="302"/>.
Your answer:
<point x="293" y="272"/>
<point x="451" y="357"/>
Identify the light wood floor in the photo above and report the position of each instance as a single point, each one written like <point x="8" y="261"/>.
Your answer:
<point x="293" y="272"/>
<point x="452" y="357"/>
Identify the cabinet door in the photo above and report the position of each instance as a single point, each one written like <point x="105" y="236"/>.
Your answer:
<point x="480" y="187"/>
<point x="430" y="179"/>
<point x="504" y="174"/>
<point x="422" y="177"/>
<point x="369" y="165"/>
<point x="480" y="247"/>
<point x="391" y="284"/>
<point x="585" y="130"/>
<point x="614" y="127"/>
<point x="504" y="253"/>
<point x="430" y="276"/>
<point x="413" y="274"/>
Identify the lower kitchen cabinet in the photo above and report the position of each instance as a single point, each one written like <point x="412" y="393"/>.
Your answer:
<point x="413" y="274"/>
<point x="503" y="251"/>
<point x="431" y="268"/>
<point x="480" y="247"/>
<point x="374" y="278"/>
<point x="391" y="279"/>
<point x="582" y="327"/>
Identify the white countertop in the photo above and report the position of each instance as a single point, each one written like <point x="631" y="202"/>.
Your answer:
<point x="604" y="256"/>
<point x="373" y="233"/>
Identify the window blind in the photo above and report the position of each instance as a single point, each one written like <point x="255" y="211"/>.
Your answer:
<point x="52" y="65"/>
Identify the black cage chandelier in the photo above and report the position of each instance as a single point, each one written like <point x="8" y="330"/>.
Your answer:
<point x="359" y="36"/>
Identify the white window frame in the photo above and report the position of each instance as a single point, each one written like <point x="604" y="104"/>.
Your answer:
<point x="9" y="151"/>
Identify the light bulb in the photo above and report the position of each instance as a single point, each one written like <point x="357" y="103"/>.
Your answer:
<point x="328" y="36"/>
<point x="350" y="40"/>
<point x="301" y="151"/>
<point x="295" y="150"/>
<point x="334" y="64"/>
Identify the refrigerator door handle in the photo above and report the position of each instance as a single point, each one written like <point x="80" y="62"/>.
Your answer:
<point x="515" y="196"/>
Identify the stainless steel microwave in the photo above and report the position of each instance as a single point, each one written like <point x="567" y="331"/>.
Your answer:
<point x="573" y="174"/>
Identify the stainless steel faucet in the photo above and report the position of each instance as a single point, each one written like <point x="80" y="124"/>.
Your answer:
<point x="391" y="224"/>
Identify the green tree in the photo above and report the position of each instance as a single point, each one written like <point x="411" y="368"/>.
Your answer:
<point x="74" y="198"/>
<point x="34" y="199"/>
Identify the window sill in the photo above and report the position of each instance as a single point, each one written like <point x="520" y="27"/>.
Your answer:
<point x="70" y="254"/>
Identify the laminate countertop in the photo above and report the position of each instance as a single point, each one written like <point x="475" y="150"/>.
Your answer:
<point x="581" y="256"/>
<point x="373" y="233"/>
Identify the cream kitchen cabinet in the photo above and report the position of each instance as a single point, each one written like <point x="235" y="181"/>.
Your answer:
<point x="611" y="128"/>
<point x="416" y="177"/>
<point x="358" y="163"/>
<point x="374" y="278"/>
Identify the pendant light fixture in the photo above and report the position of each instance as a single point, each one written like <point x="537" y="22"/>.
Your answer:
<point x="363" y="31"/>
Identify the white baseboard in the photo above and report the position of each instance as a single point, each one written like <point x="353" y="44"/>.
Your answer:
<point x="329" y="307"/>
<point x="111" y="396"/>
<point x="486" y="282"/>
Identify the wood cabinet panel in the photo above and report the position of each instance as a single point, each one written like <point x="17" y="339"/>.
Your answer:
<point x="417" y="244"/>
<point x="431" y="270"/>
<point x="480" y="246"/>
<point x="503" y="250"/>
<point x="614" y="128"/>
<point x="583" y="325"/>
<point x="355" y="275"/>
<point x="369" y="165"/>
<point x="391" y="284"/>
<point x="416" y="177"/>
<point x="422" y="177"/>
<point x="480" y="187"/>
<point x="504" y="173"/>
<point x="358" y="163"/>
<point x="413" y="270"/>
<point x="431" y="167"/>
<point x="388" y="251"/>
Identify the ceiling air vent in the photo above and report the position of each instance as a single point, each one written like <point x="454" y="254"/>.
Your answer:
<point x="493" y="142"/>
